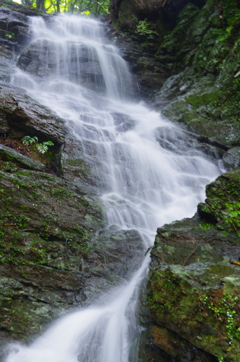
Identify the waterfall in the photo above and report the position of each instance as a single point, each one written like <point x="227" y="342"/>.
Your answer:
<point x="148" y="172"/>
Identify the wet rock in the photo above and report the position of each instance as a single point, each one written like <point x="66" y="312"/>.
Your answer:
<point x="75" y="164"/>
<point x="231" y="159"/>
<point x="43" y="58"/>
<point x="221" y="205"/>
<point x="13" y="32"/>
<point x="4" y="129"/>
<point x="23" y="113"/>
<point x="8" y="154"/>
<point x="123" y="123"/>
<point x="193" y="288"/>
<point x="55" y="253"/>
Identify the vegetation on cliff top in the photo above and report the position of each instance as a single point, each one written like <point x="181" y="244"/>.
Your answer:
<point x="85" y="7"/>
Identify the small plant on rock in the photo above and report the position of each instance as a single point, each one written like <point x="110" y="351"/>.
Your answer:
<point x="144" y="29"/>
<point x="10" y="35"/>
<point x="27" y="140"/>
<point x="43" y="147"/>
<point x="40" y="147"/>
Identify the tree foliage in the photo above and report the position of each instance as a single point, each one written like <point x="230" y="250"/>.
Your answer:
<point x="86" y="7"/>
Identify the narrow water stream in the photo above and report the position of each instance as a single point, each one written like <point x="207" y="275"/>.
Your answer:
<point x="148" y="173"/>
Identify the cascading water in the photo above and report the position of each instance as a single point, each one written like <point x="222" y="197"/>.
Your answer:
<point x="145" y="179"/>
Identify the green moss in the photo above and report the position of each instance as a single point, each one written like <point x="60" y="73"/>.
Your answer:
<point x="205" y="93"/>
<point x="174" y="301"/>
<point x="49" y="211"/>
<point x="222" y="205"/>
<point x="127" y="18"/>
<point x="75" y="162"/>
<point x="203" y="99"/>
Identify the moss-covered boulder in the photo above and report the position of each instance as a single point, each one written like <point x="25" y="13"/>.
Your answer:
<point x="8" y="154"/>
<point x="194" y="284"/>
<point x="222" y="206"/>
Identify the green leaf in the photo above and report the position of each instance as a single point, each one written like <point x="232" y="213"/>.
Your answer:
<point x="41" y="148"/>
<point x="48" y="143"/>
<point x="27" y="140"/>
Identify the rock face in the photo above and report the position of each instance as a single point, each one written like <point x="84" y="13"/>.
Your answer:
<point x="13" y="35"/>
<point x="20" y="113"/>
<point x="44" y="58"/>
<point x="194" y="76"/>
<point x="193" y="289"/>
<point x="153" y="9"/>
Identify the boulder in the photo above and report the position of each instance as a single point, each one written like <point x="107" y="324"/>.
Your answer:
<point x="193" y="289"/>
<point x="231" y="158"/>
<point x="21" y="114"/>
<point x="8" y="154"/>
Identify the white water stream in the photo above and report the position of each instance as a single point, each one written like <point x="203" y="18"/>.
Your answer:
<point x="144" y="178"/>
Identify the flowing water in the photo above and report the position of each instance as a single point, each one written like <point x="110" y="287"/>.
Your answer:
<point x="148" y="172"/>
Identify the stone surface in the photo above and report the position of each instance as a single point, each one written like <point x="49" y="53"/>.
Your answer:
<point x="14" y="35"/>
<point x="21" y="113"/>
<point x="193" y="288"/>
<point x="190" y="71"/>
<point x="39" y="59"/>
<point x="231" y="158"/>
<point x="9" y="155"/>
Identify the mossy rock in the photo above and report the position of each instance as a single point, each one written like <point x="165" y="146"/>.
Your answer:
<point x="202" y="62"/>
<point x="55" y="252"/>
<point x="222" y="206"/>
<point x="194" y="282"/>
